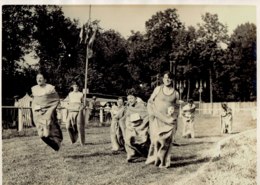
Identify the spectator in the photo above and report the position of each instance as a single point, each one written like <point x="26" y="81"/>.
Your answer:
<point x="226" y="119"/>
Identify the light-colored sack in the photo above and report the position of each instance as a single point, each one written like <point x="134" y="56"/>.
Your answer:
<point x="135" y="117"/>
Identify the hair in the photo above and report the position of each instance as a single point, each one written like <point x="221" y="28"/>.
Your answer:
<point x="170" y="74"/>
<point x="43" y="73"/>
<point x="190" y="101"/>
<point x="120" y="98"/>
<point x="131" y="91"/>
<point x="224" y="106"/>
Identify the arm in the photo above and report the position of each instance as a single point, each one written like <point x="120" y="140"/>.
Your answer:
<point x="151" y="100"/>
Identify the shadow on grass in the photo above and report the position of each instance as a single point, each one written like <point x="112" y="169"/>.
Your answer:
<point x="208" y="136"/>
<point x="195" y="143"/>
<point x="95" y="154"/>
<point x="181" y="158"/>
<point x="182" y="164"/>
<point x="101" y="143"/>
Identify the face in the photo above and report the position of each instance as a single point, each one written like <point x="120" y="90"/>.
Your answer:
<point x="166" y="80"/>
<point x="170" y="110"/>
<point x="131" y="99"/>
<point x="75" y="88"/>
<point x="120" y="103"/>
<point x="40" y="80"/>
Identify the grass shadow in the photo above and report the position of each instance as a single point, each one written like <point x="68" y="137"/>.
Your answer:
<point x="90" y="143"/>
<point x="182" y="164"/>
<point x="207" y="136"/>
<point x="95" y="154"/>
<point x="195" y="143"/>
<point x="181" y="158"/>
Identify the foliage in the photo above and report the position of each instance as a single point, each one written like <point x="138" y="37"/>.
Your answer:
<point x="120" y="64"/>
<point x="161" y="31"/>
<point x="211" y="34"/>
<point x="241" y="57"/>
<point x="109" y="73"/>
<point x="17" y="29"/>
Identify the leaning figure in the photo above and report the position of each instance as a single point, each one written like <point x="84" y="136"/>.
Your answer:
<point x="136" y="134"/>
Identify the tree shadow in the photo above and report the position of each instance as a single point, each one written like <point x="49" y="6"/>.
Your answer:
<point x="186" y="163"/>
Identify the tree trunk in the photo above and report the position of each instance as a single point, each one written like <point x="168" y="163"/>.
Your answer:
<point x="188" y="86"/>
<point x="211" y="90"/>
<point x="188" y="90"/>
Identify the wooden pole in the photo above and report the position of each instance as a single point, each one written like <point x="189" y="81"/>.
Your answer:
<point x="86" y="68"/>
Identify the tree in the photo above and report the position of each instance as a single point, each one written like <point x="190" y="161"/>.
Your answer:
<point x="242" y="61"/>
<point x="17" y="29"/>
<point x="109" y="64"/>
<point x="57" y="46"/>
<point x="210" y="34"/>
<point x="162" y="29"/>
<point x="186" y="56"/>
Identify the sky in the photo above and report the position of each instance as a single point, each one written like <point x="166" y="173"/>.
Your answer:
<point x="124" y="18"/>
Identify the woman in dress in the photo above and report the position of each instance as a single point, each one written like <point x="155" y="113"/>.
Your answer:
<point x="163" y="109"/>
<point x="44" y="104"/>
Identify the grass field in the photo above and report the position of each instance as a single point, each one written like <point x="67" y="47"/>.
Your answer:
<point x="27" y="160"/>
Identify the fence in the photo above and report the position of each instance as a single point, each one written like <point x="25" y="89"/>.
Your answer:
<point x="24" y="117"/>
<point x="237" y="107"/>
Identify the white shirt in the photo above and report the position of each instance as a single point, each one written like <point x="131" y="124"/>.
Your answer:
<point x="43" y="90"/>
<point x="75" y="97"/>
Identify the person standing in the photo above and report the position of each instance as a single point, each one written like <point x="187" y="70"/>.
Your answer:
<point x="188" y="115"/>
<point x="75" y="124"/>
<point x="15" y="112"/>
<point x="226" y="119"/>
<point x="163" y="109"/>
<point x="44" y="104"/>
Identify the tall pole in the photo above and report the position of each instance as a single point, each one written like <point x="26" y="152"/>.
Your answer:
<point x="86" y="68"/>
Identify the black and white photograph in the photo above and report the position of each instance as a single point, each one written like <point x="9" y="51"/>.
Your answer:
<point x="129" y="94"/>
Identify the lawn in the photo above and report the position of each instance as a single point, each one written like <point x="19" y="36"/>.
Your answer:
<point x="27" y="160"/>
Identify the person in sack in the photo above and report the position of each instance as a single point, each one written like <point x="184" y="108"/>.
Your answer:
<point x="44" y="104"/>
<point x="163" y="109"/>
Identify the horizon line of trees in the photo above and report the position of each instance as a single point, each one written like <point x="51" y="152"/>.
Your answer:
<point x="119" y="64"/>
